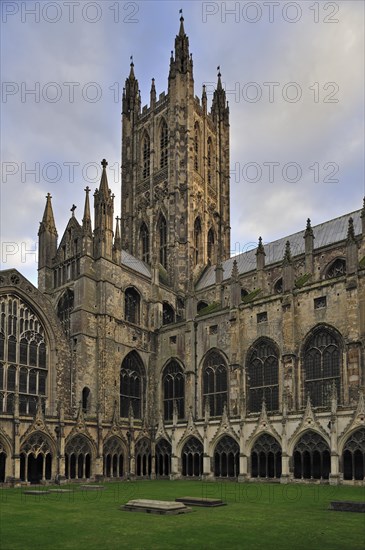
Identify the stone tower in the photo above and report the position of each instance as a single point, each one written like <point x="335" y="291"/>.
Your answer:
<point x="175" y="173"/>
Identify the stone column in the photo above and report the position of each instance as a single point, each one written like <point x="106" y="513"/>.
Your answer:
<point x="243" y="456"/>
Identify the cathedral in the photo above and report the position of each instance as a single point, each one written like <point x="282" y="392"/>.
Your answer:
<point x="148" y="352"/>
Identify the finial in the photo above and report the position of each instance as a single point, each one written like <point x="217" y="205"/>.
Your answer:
<point x="104" y="163"/>
<point x="87" y="189"/>
<point x="48" y="196"/>
<point x="181" y="15"/>
<point x="131" y="60"/>
<point x="219" y="71"/>
<point x="351" y="231"/>
<point x="73" y="208"/>
<point x="260" y="247"/>
<point x="308" y="229"/>
<point x="287" y="254"/>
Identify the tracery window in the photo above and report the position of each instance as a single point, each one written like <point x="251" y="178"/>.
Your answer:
<point x="64" y="310"/>
<point x="263" y="376"/>
<point x="336" y="269"/>
<point x="162" y="231"/>
<point x="78" y="458"/>
<point x="163" y="458"/>
<point x="23" y="356"/>
<point x="113" y="458"/>
<point x="168" y="314"/>
<point x="146" y="156"/>
<point x="192" y="458"/>
<point x="144" y="238"/>
<point x="354" y="456"/>
<point x="266" y="457"/>
<point x="215" y="383"/>
<point x="322" y="367"/>
<point x="311" y="457"/>
<point x="36" y="459"/>
<point x="173" y="390"/>
<point x="226" y="458"/>
<point x="210" y="161"/>
<point x="196" y="147"/>
<point x="197" y="240"/>
<point x="210" y="247"/>
<point x="132" y="386"/>
<point x="143" y="457"/>
<point x="164" y="142"/>
<point x="132" y="301"/>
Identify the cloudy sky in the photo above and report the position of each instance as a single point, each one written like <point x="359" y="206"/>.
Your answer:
<point x="294" y="77"/>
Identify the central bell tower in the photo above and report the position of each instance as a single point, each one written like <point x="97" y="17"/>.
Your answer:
<point x="175" y="173"/>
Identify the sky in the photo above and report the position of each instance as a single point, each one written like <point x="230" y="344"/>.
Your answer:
<point x="294" y="78"/>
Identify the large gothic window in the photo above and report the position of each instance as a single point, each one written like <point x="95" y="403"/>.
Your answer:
<point x="322" y="367"/>
<point x="192" y="458"/>
<point x="132" y="386"/>
<point x="173" y="390"/>
<point x="215" y="383"/>
<point x="197" y="241"/>
<point x="146" y="156"/>
<point x="132" y="305"/>
<point x="266" y="457"/>
<point x="226" y="458"/>
<point x="64" y="310"/>
<point x="263" y="376"/>
<point x="354" y="456"/>
<point x="311" y="457"/>
<point x="210" y="247"/>
<point x="23" y="356"/>
<point x="336" y="269"/>
<point x="162" y="232"/>
<point x="196" y="147"/>
<point x="144" y="238"/>
<point x="164" y="142"/>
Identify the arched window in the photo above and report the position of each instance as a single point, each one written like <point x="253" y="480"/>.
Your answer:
<point x="215" y="383"/>
<point x="24" y="356"/>
<point x="168" y="314"/>
<point x="197" y="241"/>
<point x="196" y="147"/>
<point x="263" y="376"/>
<point x="201" y="305"/>
<point x="86" y="398"/>
<point x="143" y="457"/>
<point x="164" y="142"/>
<point x="113" y="458"/>
<point x="173" y="390"/>
<point x="146" y="156"/>
<point x="210" y="162"/>
<point x="354" y="456"/>
<point x="311" y="457"/>
<point x="64" y="310"/>
<point x="78" y="458"/>
<point x="132" y="305"/>
<point x="244" y="293"/>
<point x="226" y="458"/>
<point x="162" y="232"/>
<point x="210" y="247"/>
<point x="322" y="367"/>
<point x="163" y="458"/>
<point x="266" y="457"/>
<point x="192" y="458"/>
<point x="144" y="238"/>
<point x="131" y="386"/>
<point x="36" y="459"/>
<point x="336" y="269"/>
<point x="278" y="287"/>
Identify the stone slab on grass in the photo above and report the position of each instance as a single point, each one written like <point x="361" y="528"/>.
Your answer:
<point x="92" y="487"/>
<point x="162" y="507"/>
<point x="201" y="501"/>
<point x="347" y="506"/>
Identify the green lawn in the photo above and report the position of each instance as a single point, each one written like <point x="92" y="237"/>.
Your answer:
<point x="257" y="516"/>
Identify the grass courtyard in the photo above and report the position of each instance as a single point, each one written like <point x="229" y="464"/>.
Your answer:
<point x="256" y="516"/>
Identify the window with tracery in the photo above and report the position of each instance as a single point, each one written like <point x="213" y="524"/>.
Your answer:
<point x="162" y="231"/>
<point x="210" y="161"/>
<point x="64" y="310"/>
<point x="263" y="376"/>
<point x="266" y="457"/>
<point x="322" y="367"/>
<point x="113" y="458"/>
<point x="226" y="458"/>
<point x="78" y="458"/>
<point x="192" y="458"/>
<point x="35" y="459"/>
<point x="336" y="269"/>
<point x="163" y="458"/>
<point x="23" y="356"/>
<point x="164" y="142"/>
<point x="132" y="301"/>
<point x="132" y="384"/>
<point x="215" y="383"/>
<point x="143" y="457"/>
<point x="173" y="390"/>
<point x="210" y="247"/>
<point x="196" y="147"/>
<point x="311" y="457"/>
<point x="144" y="238"/>
<point x="197" y="240"/>
<point x="354" y="456"/>
<point x="146" y="156"/>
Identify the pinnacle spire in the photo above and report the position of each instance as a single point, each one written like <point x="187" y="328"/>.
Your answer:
<point x="131" y="72"/>
<point x="308" y="229"/>
<point x="104" y="187"/>
<point x="351" y="231"/>
<point x="260" y="247"/>
<point x="219" y="83"/>
<point x="182" y="30"/>
<point x="234" y="274"/>
<point x="117" y="239"/>
<point x="287" y="254"/>
<point x="86" y="220"/>
<point x="48" y="223"/>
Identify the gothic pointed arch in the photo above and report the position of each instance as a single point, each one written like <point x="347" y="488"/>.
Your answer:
<point x="173" y="382"/>
<point x="214" y="382"/>
<point x="36" y="455"/>
<point x="114" y="457"/>
<point x="198" y="243"/>
<point x="211" y="246"/>
<point x="132" y="385"/>
<point x="164" y="143"/>
<point x="79" y="454"/>
<point x="322" y="365"/>
<point x="265" y="457"/>
<point x="192" y="457"/>
<point x="132" y="305"/>
<point x="353" y="456"/>
<point x="336" y="268"/>
<point x="146" y="155"/>
<point x="210" y="163"/>
<point x="226" y="457"/>
<point x="163" y="453"/>
<point x="197" y="147"/>
<point x="262" y="368"/>
<point x="143" y="457"/>
<point x="311" y="457"/>
<point x="64" y="309"/>
<point x="162" y="239"/>
<point x="144" y="242"/>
